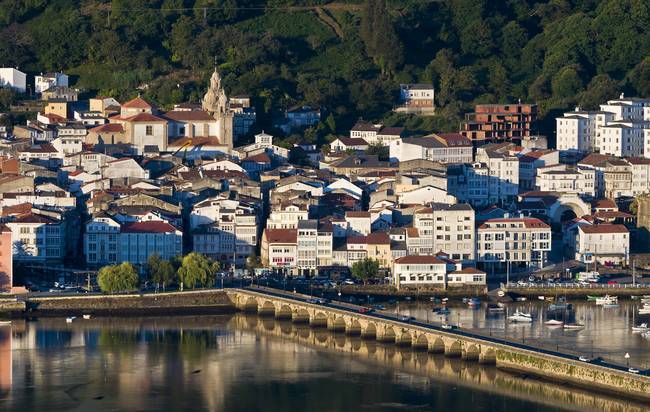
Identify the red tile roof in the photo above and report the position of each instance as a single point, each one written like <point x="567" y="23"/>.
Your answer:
<point x="108" y="128"/>
<point x="189" y="115"/>
<point x="602" y="229"/>
<point x="468" y="271"/>
<point x="144" y="118"/>
<point x="378" y="238"/>
<point x="33" y="218"/>
<point x="281" y="235"/>
<point x="258" y="158"/>
<point x="357" y="214"/>
<point x="419" y="260"/>
<point x="137" y="103"/>
<point x="529" y="222"/>
<point x="605" y="204"/>
<point x="148" y="227"/>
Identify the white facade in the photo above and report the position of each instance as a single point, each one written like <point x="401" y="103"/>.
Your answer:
<point x="602" y="243"/>
<point x="314" y="246"/>
<point x="10" y="77"/>
<point x="564" y="179"/>
<point x="287" y="218"/>
<point x="37" y="238"/>
<point x="149" y="134"/>
<point x="446" y="228"/>
<point x="424" y="195"/>
<point x="419" y="270"/>
<point x="515" y="240"/>
<point x="430" y="148"/>
<point x="45" y="81"/>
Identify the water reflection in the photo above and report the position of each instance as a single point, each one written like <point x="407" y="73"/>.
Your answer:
<point x="246" y="363"/>
<point x="607" y="331"/>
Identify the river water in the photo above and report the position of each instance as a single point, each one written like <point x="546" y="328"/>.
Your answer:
<point x="245" y="363"/>
<point x="607" y="332"/>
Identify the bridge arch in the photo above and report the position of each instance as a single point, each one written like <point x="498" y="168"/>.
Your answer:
<point x="471" y="352"/>
<point x="370" y="331"/>
<point x="249" y="304"/>
<point x="267" y="308"/>
<point x="421" y="342"/>
<point x="318" y="319"/>
<point x="353" y="327"/>
<point x="453" y="348"/>
<point x="300" y="315"/>
<point x="283" y="312"/>
<point x="437" y="346"/>
<point x="568" y="203"/>
<point x="336" y="324"/>
<point x="386" y="334"/>
<point x="488" y="356"/>
<point x="403" y="338"/>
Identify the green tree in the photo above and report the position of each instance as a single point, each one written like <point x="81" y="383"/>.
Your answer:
<point x="118" y="278"/>
<point x="196" y="269"/>
<point x="639" y="77"/>
<point x="160" y="271"/>
<point x="378" y="150"/>
<point x="365" y="269"/>
<point x="566" y="83"/>
<point x="600" y="89"/>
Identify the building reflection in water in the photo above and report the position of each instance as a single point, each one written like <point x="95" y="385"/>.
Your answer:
<point x="6" y="363"/>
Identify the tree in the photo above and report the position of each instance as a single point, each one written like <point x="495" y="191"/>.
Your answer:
<point x="365" y="269"/>
<point x="196" y="269"/>
<point x="160" y="271"/>
<point x="118" y="278"/>
<point x="253" y="262"/>
<point x="378" y="150"/>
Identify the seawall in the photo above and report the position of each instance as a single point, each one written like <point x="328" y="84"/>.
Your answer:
<point x="578" y="292"/>
<point x="392" y="291"/>
<point x="199" y="302"/>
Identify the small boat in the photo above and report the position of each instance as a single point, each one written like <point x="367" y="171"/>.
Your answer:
<point x="641" y="328"/>
<point x="554" y="322"/>
<point x="521" y="299"/>
<point x="607" y="300"/>
<point x="549" y="298"/>
<point x="541" y="297"/>
<point x="644" y="311"/>
<point x="560" y="306"/>
<point x="501" y="293"/>
<point x="592" y="298"/>
<point x="445" y="300"/>
<point x="408" y="298"/>
<point x="465" y="300"/>
<point x="5" y="322"/>
<point x="574" y="326"/>
<point x="435" y="300"/>
<point x="520" y="317"/>
<point x="69" y="319"/>
<point x="86" y="317"/>
<point x="610" y="305"/>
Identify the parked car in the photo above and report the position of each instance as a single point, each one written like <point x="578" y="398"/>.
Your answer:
<point x="365" y="310"/>
<point x="448" y="326"/>
<point x="313" y="301"/>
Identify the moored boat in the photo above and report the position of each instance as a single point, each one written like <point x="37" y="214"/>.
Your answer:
<point x="521" y="299"/>
<point x="553" y="322"/>
<point x="574" y="326"/>
<point x="607" y="300"/>
<point x="5" y="322"/>
<point x="474" y="302"/>
<point x="592" y="298"/>
<point x="69" y="319"/>
<point x="493" y="307"/>
<point x="86" y="317"/>
<point x="641" y="328"/>
<point x="520" y="317"/>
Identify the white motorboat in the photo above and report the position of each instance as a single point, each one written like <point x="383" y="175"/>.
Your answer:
<point x="5" y="322"/>
<point x="644" y="311"/>
<point x="641" y="328"/>
<point x="521" y="299"/>
<point x="540" y="297"/>
<point x="610" y="305"/>
<point x="554" y="322"/>
<point x="69" y="319"/>
<point x="607" y="300"/>
<point x="520" y="317"/>
<point x="86" y="317"/>
<point x="574" y="326"/>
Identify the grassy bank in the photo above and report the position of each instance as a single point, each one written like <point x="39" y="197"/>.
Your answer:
<point x="204" y="301"/>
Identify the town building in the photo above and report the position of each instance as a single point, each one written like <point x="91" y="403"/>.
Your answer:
<point x="416" y="98"/>
<point x="279" y="249"/>
<point x="43" y="82"/>
<point x="524" y="242"/>
<point x="6" y="258"/>
<point x="605" y="244"/>
<point x="566" y="179"/>
<point x="10" y="77"/>
<point x="499" y="122"/>
<point x="315" y="242"/>
<point x="442" y="147"/>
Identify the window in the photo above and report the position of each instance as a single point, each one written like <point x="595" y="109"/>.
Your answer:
<point x="149" y="130"/>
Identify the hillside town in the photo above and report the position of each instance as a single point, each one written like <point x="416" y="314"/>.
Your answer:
<point x="93" y="183"/>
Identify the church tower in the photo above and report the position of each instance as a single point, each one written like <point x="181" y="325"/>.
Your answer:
<point x="217" y="104"/>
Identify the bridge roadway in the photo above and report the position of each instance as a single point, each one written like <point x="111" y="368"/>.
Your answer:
<point x="471" y="346"/>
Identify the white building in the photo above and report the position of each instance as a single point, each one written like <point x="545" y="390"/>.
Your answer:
<point x="10" y="77"/>
<point x="566" y="179"/>
<point x="376" y="133"/>
<point x="416" y="98"/>
<point x="315" y="243"/>
<point x="37" y="237"/>
<point x="530" y="162"/>
<point x="502" y="173"/>
<point x="47" y="80"/>
<point x="280" y="249"/>
<point x="520" y="241"/>
<point x="443" y="147"/>
<point x="287" y="217"/>
<point x="604" y="244"/>
<point x="359" y="223"/>
<point x="419" y="270"/>
<point x="444" y="227"/>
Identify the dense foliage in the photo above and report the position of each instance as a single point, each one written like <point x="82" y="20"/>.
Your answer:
<point x="118" y="278"/>
<point x="160" y="271"/>
<point x="196" y="269"/>
<point x="365" y="269"/>
<point x="348" y="57"/>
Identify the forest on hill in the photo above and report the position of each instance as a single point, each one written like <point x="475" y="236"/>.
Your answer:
<point x="347" y="57"/>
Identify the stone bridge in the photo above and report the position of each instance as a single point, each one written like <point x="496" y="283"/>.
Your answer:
<point x="555" y="367"/>
<point x="358" y="324"/>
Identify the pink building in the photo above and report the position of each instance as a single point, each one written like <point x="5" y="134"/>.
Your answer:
<point x="6" y="258"/>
